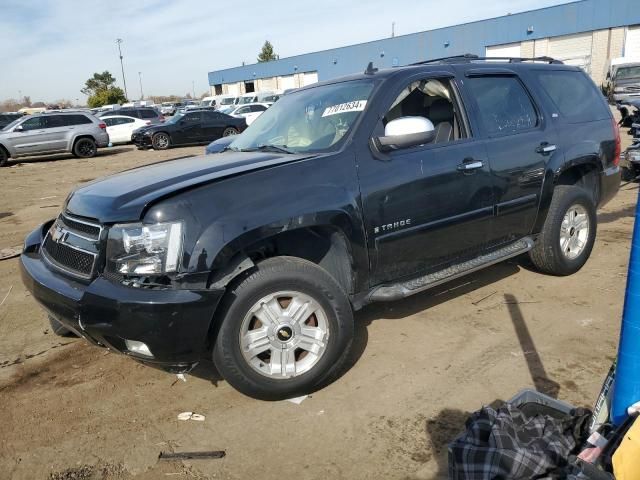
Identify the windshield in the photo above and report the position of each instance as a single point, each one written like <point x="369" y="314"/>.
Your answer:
<point x="12" y="124"/>
<point x="167" y="104"/>
<point x="313" y="120"/>
<point x="206" y="103"/>
<point x="628" y="72"/>
<point x="175" y="118"/>
<point x="244" y="100"/>
<point x="227" y="101"/>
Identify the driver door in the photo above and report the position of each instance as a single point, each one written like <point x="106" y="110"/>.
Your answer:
<point x="190" y="129"/>
<point x="429" y="206"/>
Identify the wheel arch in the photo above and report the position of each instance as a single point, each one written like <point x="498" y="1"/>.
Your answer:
<point x="325" y="244"/>
<point x="583" y="171"/>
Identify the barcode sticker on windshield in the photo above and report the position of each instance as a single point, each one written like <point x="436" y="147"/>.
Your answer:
<point x="356" y="106"/>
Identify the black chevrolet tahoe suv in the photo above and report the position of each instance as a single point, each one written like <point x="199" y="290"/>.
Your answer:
<point x="366" y="188"/>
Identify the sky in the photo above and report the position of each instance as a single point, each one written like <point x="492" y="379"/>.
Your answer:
<point x="48" y="49"/>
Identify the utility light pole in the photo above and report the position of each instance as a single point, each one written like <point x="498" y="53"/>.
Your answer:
<point x="393" y="29"/>
<point x="141" y="94"/>
<point x="119" y="41"/>
<point x="193" y="89"/>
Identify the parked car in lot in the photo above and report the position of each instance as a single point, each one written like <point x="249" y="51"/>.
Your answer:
<point x="40" y="134"/>
<point x="190" y="128"/>
<point x="143" y="113"/>
<point x="169" y="108"/>
<point x="120" y="127"/>
<point x="249" y="111"/>
<point x="224" y="101"/>
<point x="7" y="118"/>
<point x="623" y="80"/>
<point x="363" y="189"/>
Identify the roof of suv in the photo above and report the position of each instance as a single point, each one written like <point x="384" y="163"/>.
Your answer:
<point x="514" y="63"/>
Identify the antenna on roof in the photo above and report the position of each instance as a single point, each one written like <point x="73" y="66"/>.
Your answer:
<point x="370" y="70"/>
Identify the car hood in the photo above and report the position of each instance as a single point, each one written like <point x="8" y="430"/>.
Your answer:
<point x="125" y="196"/>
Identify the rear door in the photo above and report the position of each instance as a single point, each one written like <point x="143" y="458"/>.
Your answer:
<point x="57" y="133"/>
<point x="212" y="126"/>
<point x="518" y="142"/>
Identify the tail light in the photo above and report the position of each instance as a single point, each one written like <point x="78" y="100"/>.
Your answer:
<point x="616" y="132"/>
<point x="148" y="122"/>
<point x="161" y="118"/>
<point x="102" y="126"/>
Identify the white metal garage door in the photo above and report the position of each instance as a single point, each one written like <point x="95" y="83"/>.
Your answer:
<point x="507" y="50"/>
<point x="268" y="84"/>
<point x="632" y="42"/>
<point x="309" y="78"/>
<point x="286" y="81"/>
<point x="572" y="49"/>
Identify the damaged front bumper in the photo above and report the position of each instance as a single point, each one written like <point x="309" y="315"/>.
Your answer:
<point x="173" y="323"/>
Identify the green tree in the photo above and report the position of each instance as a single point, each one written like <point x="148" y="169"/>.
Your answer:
<point x="267" y="54"/>
<point x="101" y="90"/>
<point x="110" y="96"/>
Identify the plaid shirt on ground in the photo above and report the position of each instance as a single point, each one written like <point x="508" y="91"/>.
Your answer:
<point x="506" y="444"/>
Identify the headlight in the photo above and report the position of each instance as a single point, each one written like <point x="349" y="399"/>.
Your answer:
<point x="137" y="249"/>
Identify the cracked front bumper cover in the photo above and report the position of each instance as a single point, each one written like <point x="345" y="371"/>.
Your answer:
<point x="174" y="323"/>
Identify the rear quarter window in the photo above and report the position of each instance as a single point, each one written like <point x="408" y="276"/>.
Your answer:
<point x="148" y="114"/>
<point x="76" y="120"/>
<point x="575" y="96"/>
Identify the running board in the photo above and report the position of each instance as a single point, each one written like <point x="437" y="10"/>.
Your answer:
<point x="396" y="291"/>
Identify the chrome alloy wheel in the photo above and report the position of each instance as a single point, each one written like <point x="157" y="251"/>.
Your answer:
<point x="574" y="231"/>
<point x="284" y="334"/>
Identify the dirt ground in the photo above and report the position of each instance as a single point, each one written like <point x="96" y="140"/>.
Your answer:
<point x="73" y="411"/>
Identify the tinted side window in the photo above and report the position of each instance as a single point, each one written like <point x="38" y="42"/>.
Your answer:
<point x="574" y="95"/>
<point x="126" y="120"/>
<point x="192" y="118"/>
<point x="54" y="121"/>
<point x="148" y="114"/>
<point x="258" y="108"/>
<point x="503" y="104"/>
<point x="33" y="123"/>
<point x="76" y="119"/>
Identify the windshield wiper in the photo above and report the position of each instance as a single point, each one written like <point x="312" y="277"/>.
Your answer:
<point x="268" y="148"/>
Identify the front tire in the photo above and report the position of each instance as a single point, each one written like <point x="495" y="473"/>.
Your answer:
<point x="286" y="329"/>
<point x="229" y="131"/>
<point x="160" y="141"/>
<point x="85" y="148"/>
<point x="569" y="232"/>
<point x="4" y="157"/>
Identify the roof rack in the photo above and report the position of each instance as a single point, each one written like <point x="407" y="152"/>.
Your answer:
<point x="470" y="57"/>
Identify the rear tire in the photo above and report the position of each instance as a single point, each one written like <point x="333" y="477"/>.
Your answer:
<point x="85" y="148"/>
<point x="286" y="330"/>
<point x="4" y="157"/>
<point x="569" y="232"/>
<point x="161" y="141"/>
<point x="229" y="131"/>
<point x="59" y="329"/>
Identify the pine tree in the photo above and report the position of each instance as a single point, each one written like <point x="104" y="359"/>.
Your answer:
<point x="267" y="54"/>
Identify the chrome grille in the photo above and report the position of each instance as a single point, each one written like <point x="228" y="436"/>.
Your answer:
<point x="71" y="245"/>
<point x="80" y="226"/>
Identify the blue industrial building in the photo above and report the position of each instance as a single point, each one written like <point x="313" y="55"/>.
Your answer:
<point x="587" y="33"/>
